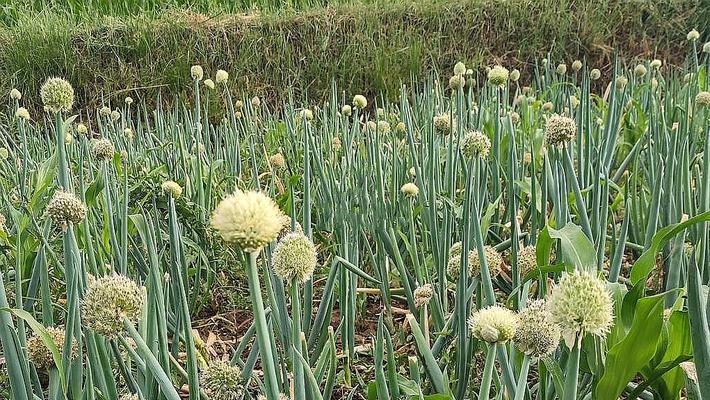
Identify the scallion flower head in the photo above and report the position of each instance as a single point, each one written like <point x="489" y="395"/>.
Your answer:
<point x="581" y="304"/>
<point x="250" y="220"/>
<point x="459" y="68"/>
<point x="277" y="161"/>
<point x="102" y="150"/>
<point x="423" y="295"/>
<point x="640" y="70"/>
<point x="527" y="260"/>
<point x="410" y="190"/>
<point x="475" y="144"/>
<point x="346" y="110"/>
<point x="515" y="75"/>
<point x="40" y="355"/>
<point x="443" y="123"/>
<point x="222" y="76"/>
<point x="559" y="130"/>
<point x="295" y="258"/>
<point x="498" y="76"/>
<point x="196" y="72"/>
<point x="57" y="95"/>
<point x="172" y="188"/>
<point x="537" y="334"/>
<point x="65" y="208"/>
<point x="360" y="101"/>
<point x="702" y="99"/>
<point x="693" y="35"/>
<point x="493" y="324"/>
<point x="108" y="300"/>
<point x="222" y="381"/>
<point x="493" y="261"/>
<point x="22" y="113"/>
<point x="457" y="82"/>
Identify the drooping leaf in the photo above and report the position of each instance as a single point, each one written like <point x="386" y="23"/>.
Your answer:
<point x="577" y="249"/>
<point x="643" y="266"/>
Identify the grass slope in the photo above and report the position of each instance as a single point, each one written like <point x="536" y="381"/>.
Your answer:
<point x="366" y="47"/>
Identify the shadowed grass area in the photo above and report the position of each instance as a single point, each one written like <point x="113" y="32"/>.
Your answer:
<point x="365" y="48"/>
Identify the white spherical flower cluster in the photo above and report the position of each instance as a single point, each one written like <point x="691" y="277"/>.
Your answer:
<point x="581" y="304"/>
<point x="40" y="355"/>
<point x="576" y="65"/>
<point x="346" y="110"/>
<point x="559" y="130"/>
<point x="222" y="76"/>
<point x="595" y="74"/>
<point x="222" y="381"/>
<point x="383" y="127"/>
<point x="561" y="69"/>
<point x="108" y="300"/>
<point x="656" y="63"/>
<point x="515" y="75"/>
<point x="493" y="324"/>
<point x="249" y="220"/>
<point x="527" y="260"/>
<point x="443" y="123"/>
<point x="493" y="260"/>
<point x="475" y="144"/>
<point x="423" y="295"/>
<point x="360" y="101"/>
<point x="453" y="265"/>
<point x="410" y="190"/>
<point x="22" y="113"/>
<point x="640" y="70"/>
<point x="459" y="68"/>
<point x="295" y="258"/>
<point x="57" y="95"/>
<point x="82" y="129"/>
<point x="621" y="82"/>
<point x="277" y="161"/>
<point x="209" y="83"/>
<point x="498" y="76"/>
<point x="172" y="188"/>
<point x="65" y="208"/>
<point x="102" y="150"/>
<point x="15" y="94"/>
<point x="693" y="35"/>
<point x="537" y="334"/>
<point x="457" y="82"/>
<point x="196" y="72"/>
<point x="702" y="99"/>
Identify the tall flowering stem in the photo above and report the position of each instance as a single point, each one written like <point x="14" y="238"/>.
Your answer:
<point x="572" y="373"/>
<point x="485" y="388"/>
<point x="262" y="328"/>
